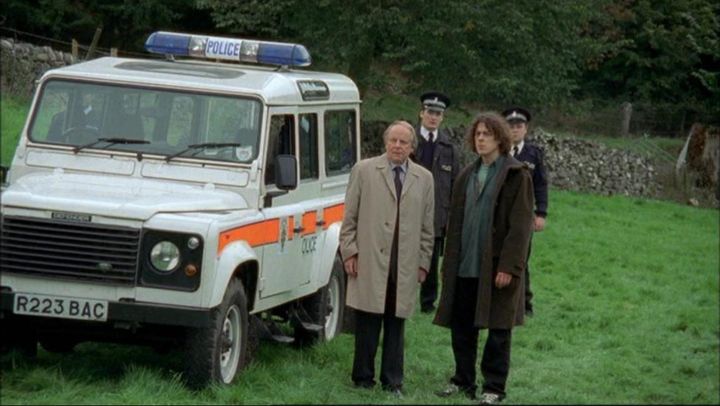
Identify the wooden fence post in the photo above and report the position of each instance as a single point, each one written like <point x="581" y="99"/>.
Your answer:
<point x="74" y="50"/>
<point x="95" y="40"/>
<point x="626" y="116"/>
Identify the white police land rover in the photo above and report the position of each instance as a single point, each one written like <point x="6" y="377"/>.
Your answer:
<point x="180" y="202"/>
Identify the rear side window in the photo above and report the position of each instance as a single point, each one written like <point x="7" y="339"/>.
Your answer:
<point x="340" y="148"/>
<point x="308" y="146"/>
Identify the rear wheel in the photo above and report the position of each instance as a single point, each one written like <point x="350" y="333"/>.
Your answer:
<point x="219" y="352"/>
<point x="326" y="308"/>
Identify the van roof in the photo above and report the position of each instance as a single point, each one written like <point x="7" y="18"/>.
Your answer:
<point x="273" y="85"/>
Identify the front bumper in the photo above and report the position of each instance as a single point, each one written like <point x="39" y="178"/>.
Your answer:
<point x="133" y="312"/>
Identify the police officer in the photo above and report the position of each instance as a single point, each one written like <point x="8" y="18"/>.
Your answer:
<point x="436" y="152"/>
<point x="532" y="155"/>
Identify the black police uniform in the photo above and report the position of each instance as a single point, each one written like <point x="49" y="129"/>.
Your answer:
<point x="442" y="159"/>
<point x="533" y="156"/>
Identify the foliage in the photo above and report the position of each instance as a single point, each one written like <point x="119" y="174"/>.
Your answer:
<point x="626" y="310"/>
<point x="525" y="53"/>
<point x="125" y="23"/>
<point x="665" y="52"/>
<point x="544" y="54"/>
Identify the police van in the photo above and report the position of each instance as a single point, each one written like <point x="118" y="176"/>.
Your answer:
<point x="190" y="202"/>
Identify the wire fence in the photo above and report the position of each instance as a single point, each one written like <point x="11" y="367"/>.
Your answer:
<point x="67" y="46"/>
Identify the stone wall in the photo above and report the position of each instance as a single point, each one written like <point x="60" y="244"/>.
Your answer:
<point x="21" y="64"/>
<point x="588" y="166"/>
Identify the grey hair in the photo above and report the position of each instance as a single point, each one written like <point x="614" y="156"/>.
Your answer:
<point x="407" y="126"/>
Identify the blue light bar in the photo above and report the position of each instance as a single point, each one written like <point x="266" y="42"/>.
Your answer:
<point x="242" y="50"/>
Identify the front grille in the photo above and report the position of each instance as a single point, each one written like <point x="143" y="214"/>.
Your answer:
<point x="66" y="249"/>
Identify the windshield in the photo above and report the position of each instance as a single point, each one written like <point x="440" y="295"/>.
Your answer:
<point x="79" y="113"/>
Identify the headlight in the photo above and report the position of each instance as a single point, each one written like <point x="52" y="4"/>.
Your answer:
<point x="165" y="256"/>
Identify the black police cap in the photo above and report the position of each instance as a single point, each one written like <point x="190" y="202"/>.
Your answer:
<point x="517" y="114"/>
<point x="435" y="101"/>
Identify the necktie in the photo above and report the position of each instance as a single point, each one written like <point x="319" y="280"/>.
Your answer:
<point x="392" y="275"/>
<point x="431" y="136"/>
<point x="515" y="150"/>
<point x="398" y="182"/>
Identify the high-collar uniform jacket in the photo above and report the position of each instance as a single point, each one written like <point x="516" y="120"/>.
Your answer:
<point x="368" y="228"/>
<point x="445" y="168"/>
<point x="505" y="250"/>
<point x="532" y="155"/>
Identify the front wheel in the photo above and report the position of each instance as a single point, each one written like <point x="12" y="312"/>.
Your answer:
<point x="219" y="352"/>
<point x="58" y="344"/>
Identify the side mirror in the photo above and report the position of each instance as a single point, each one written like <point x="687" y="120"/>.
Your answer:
<point x="285" y="177"/>
<point x="3" y="174"/>
<point x="286" y="172"/>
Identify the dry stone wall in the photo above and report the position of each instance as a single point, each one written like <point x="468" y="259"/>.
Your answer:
<point x="21" y="64"/>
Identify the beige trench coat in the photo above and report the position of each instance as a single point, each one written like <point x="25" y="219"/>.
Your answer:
<point x="368" y="227"/>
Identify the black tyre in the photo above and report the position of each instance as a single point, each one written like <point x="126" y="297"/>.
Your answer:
<point x="219" y="353"/>
<point x="57" y="344"/>
<point x="19" y="338"/>
<point x="326" y="308"/>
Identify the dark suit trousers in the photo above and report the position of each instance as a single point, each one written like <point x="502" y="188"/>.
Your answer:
<point x="367" y="334"/>
<point x="429" y="288"/>
<point x="495" y="365"/>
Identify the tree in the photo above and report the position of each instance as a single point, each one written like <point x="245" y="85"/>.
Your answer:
<point x="667" y="52"/>
<point x="126" y="23"/>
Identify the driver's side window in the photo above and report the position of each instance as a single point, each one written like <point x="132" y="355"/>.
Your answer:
<point x="281" y="141"/>
<point x="66" y="112"/>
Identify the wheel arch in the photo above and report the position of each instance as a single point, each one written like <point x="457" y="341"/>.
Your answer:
<point x="237" y="260"/>
<point x="330" y="250"/>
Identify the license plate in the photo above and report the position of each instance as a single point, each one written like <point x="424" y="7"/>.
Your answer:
<point x="59" y="306"/>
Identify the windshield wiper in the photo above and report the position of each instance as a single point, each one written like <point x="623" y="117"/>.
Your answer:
<point x="200" y="147"/>
<point x="110" y="141"/>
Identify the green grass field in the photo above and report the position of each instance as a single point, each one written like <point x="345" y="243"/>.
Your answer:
<point x="626" y="312"/>
<point x="12" y="120"/>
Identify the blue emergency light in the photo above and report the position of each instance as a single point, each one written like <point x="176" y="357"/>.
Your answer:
<point x="241" y="50"/>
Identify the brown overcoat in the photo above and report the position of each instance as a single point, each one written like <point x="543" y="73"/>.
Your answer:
<point x="368" y="228"/>
<point x="511" y="230"/>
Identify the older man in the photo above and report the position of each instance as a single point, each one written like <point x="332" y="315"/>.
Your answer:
<point x="386" y="243"/>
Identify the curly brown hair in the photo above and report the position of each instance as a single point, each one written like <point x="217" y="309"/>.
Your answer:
<point x="497" y="126"/>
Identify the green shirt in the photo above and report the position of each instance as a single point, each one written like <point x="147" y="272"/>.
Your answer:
<point x="477" y="221"/>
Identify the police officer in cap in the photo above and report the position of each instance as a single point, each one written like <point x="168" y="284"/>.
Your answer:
<point x="532" y="155"/>
<point x="436" y="152"/>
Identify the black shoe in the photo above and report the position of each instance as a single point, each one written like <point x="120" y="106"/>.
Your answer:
<point x="364" y="384"/>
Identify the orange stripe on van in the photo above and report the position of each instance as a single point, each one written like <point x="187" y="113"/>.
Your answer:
<point x="264" y="232"/>
<point x="291" y="228"/>
<point x="333" y="214"/>
<point x="309" y="221"/>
